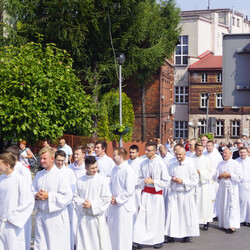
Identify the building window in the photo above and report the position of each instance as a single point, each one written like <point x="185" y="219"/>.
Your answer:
<point x="181" y="53"/>
<point x="181" y="95"/>
<point x="233" y="21"/>
<point x="220" y="128"/>
<point x="203" y="127"/>
<point x="203" y="101"/>
<point x="180" y="129"/>
<point x="219" y="77"/>
<point x="219" y="101"/>
<point x="235" y="128"/>
<point x="238" y="22"/>
<point x="203" y="77"/>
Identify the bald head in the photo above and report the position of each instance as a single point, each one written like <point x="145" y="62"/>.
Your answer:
<point x="180" y="154"/>
<point x="227" y="154"/>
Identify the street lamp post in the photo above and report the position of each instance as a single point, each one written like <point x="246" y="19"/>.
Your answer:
<point x="208" y="95"/>
<point x="120" y="60"/>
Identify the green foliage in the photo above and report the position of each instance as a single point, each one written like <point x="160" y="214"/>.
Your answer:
<point x="109" y="116"/>
<point x="210" y="136"/>
<point x="40" y="96"/>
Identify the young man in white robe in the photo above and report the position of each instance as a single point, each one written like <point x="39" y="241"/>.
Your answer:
<point x="134" y="161"/>
<point x="215" y="158"/>
<point x="244" y="187"/>
<point x="92" y="198"/>
<point x="52" y="195"/>
<point x="182" y="216"/>
<point x="104" y="163"/>
<point x="153" y="179"/>
<point x="25" y="172"/>
<point x="60" y="157"/>
<point x="78" y="166"/>
<point x="16" y="205"/>
<point x="228" y="175"/>
<point x="202" y="190"/>
<point x="122" y="208"/>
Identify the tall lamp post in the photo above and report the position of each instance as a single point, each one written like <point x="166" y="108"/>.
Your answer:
<point x="120" y="59"/>
<point x="208" y="95"/>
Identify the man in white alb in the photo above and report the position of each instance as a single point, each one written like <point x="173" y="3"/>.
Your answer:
<point x="229" y="176"/>
<point x="244" y="187"/>
<point x="153" y="179"/>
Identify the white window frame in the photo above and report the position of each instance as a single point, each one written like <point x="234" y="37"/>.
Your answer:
<point x="219" y="128"/>
<point x="219" y="77"/>
<point x="203" y="100"/>
<point x="182" y="55"/>
<point x="235" y="128"/>
<point x="203" y="77"/>
<point x="178" y="95"/>
<point x="181" y="129"/>
<point x="203" y="126"/>
<point x="219" y="100"/>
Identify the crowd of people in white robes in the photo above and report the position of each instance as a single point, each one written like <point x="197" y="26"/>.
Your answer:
<point x="105" y="203"/>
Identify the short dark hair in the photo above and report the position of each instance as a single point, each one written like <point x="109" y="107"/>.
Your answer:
<point x="198" y="144"/>
<point x="80" y="147"/>
<point x="209" y="141"/>
<point x="60" y="153"/>
<point x="134" y="147"/>
<point x="90" y="160"/>
<point x="242" y="148"/>
<point x="8" y="158"/>
<point x="103" y="144"/>
<point x="151" y="143"/>
<point x="15" y="150"/>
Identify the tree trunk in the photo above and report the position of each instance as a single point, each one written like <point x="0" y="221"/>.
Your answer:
<point x="95" y="97"/>
<point x="143" y="112"/>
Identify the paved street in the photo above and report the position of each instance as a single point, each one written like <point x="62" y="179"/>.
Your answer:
<point x="213" y="239"/>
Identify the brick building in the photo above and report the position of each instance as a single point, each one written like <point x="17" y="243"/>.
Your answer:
<point x="159" y="104"/>
<point x="206" y="76"/>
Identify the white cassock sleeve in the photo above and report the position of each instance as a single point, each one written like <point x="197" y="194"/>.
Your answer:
<point x="164" y="180"/>
<point x="19" y="215"/>
<point x="129" y="187"/>
<point x="206" y="173"/>
<point x="60" y="199"/>
<point x="236" y="176"/>
<point x="192" y="180"/>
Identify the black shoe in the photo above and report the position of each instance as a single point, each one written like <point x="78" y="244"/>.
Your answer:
<point x="169" y="240"/>
<point x="157" y="246"/>
<point x="243" y="223"/>
<point x="230" y="231"/>
<point x="205" y="227"/>
<point x="137" y="246"/>
<point x="185" y="240"/>
<point x="215" y="218"/>
<point x="247" y="224"/>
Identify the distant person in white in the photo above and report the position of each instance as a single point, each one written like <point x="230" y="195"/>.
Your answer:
<point x="122" y="208"/>
<point x="67" y="149"/>
<point x="134" y="161"/>
<point x="244" y="187"/>
<point x="25" y="172"/>
<point x="60" y="158"/>
<point x="16" y="205"/>
<point x="52" y="194"/>
<point x="202" y="190"/>
<point x="191" y="146"/>
<point x="104" y="163"/>
<point x="215" y="158"/>
<point x="92" y="198"/>
<point x="229" y="176"/>
<point x="90" y="149"/>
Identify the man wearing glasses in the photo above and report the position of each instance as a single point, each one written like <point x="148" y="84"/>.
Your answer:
<point x="153" y="179"/>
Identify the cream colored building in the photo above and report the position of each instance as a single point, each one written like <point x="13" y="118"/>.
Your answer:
<point x="202" y="31"/>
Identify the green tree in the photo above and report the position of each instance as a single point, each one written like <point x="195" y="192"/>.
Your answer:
<point x="93" y="31"/>
<point x="40" y="96"/>
<point x="109" y="116"/>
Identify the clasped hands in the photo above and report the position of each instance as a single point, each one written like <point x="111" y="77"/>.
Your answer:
<point x="177" y="180"/>
<point x="86" y="204"/>
<point x="224" y="175"/>
<point x="42" y="195"/>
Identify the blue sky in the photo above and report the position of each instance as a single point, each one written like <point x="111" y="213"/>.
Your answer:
<point x="242" y="6"/>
